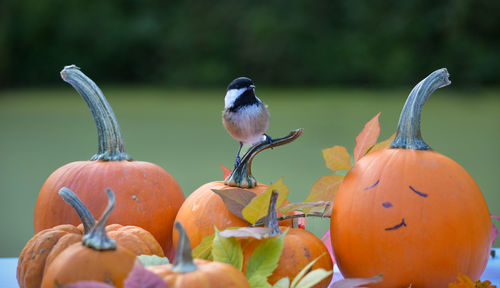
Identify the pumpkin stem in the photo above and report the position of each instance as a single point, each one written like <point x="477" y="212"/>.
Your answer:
<point x="83" y="212"/>
<point x="271" y="220"/>
<point x="97" y="238"/>
<point x="183" y="262"/>
<point x="110" y="141"/>
<point x="408" y="135"/>
<point x="242" y="175"/>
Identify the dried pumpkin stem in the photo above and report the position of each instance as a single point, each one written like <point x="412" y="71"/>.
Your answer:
<point x="271" y="220"/>
<point x="110" y="141"/>
<point x="408" y="135"/>
<point x="183" y="262"/>
<point x="242" y="175"/>
<point x="97" y="238"/>
<point x="83" y="212"/>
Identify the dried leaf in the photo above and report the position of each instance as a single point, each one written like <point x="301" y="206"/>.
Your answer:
<point x="264" y="260"/>
<point x="327" y="240"/>
<point x="226" y="171"/>
<point x="303" y="272"/>
<point x="367" y="138"/>
<point x="382" y="145"/>
<point x="337" y="158"/>
<point x="204" y="249"/>
<point x="245" y="232"/>
<point x="356" y="282"/>
<point x="140" y="277"/>
<point x="310" y="207"/>
<point x="314" y="277"/>
<point x="259" y="205"/>
<point x="282" y="283"/>
<point x="227" y="250"/>
<point x="152" y="260"/>
<point x="235" y="199"/>
<point x="325" y="189"/>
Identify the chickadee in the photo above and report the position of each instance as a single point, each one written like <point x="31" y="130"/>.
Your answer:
<point x="245" y="117"/>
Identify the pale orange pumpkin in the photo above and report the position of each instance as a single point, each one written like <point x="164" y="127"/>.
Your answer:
<point x="410" y="213"/>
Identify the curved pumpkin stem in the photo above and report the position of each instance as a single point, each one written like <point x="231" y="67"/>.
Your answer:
<point x="83" y="212"/>
<point x="97" y="238"/>
<point x="271" y="220"/>
<point x="408" y="135"/>
<point x="242" y="175"/>
<point x="183" y="262"/>
<point x="110" y="141"/>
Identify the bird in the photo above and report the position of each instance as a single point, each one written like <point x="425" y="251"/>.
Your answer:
<point x="245" y="117"/>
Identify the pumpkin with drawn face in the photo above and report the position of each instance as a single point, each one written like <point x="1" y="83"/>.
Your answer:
<point x="410" y="213"/>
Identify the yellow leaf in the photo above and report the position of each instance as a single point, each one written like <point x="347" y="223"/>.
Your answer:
<point x="257" y="208"/>
<point x="367" y="138"/>
<point x="382" y="145"/>
<point x="337" y="158"/>
<point x="325" y="189"/>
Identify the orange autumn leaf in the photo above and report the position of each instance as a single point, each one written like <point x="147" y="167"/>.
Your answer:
<point x="337" y="158"/>
<point x="325" y="189"/>
<point x="367" y="138"/>
<point x="226" y="171"/>
<point x="465" y="282"/>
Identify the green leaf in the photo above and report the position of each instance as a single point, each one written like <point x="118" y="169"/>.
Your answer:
<point x="367" y="138"/>
<point x="235" y="199"/>
<point x="152" y="260"/>
<point x="264" y="260"/>
<point x="204" y="249"/>
<point x="314" y="277"/>
<point x="227" y="250"/>
<point x="282" y="283"/>
<point x="257" y="208"/>
<point x="337" y="158"/>
<point x="304" y="271"/>
<point x="325" y="189"/>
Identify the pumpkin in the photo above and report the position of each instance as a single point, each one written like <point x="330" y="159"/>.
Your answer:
<point x="44" y="247"/>
<point x="149" y="197"/>
<point x="96" y="258"/>
<point x="300" y="247"/>
<point x="409" y="212"/>
<point x="203" y="208"/>
<point x="186" y="272"/>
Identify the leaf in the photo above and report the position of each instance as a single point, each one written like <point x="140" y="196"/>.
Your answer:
<point x="327" y="240"/>
<point x="152" y="260"/>
<point x="356" y="282"/>
<point x="382" y="145"/>
<point x="227" y="250"/>
<point x="204" y="249"/>
<point x="314" y="277"/>
<point x="245" y="232"/>
<point x="367" y="138"/>
<point x="337" y="158"/>
<point x="282" y="283"/>
<point x="140" y="277"/>
<point x="303" y="271"/>
<point x="259" y="205"/>
<point x="264" y="260"/>
<point x="235" y="199"/>
<point x="311" y="207"/>
<point x="325" y="189"/>
<point x="226" y="171"/>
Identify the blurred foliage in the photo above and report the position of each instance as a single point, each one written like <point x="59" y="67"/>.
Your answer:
<point x="294" y="42"/>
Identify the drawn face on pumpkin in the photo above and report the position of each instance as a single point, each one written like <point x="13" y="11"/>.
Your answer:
<point x="389" y="205"/>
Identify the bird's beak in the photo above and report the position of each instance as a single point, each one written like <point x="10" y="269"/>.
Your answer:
<point x="251" y="87"/>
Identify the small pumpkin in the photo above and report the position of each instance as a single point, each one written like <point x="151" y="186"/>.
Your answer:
<point x="149" y="196"/>
<point x="203" y="209"/>
<point x="299" y="249"/>
<point x="44" y="247"/>
<point x="409" y="212"/>
<point x="96" y="258"/>
<point x="186" y="272"/>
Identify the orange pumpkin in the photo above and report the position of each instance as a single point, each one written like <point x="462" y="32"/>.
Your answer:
<point x="409" y="212"/>
<point x="96" y="258"/>
<point x="149" y="197"/>
<point x="203" y="209"/>
<point x="198" y="273"/>
<point x="47" y="244"/>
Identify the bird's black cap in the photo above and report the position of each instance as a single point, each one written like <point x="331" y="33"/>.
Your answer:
<point x="241" y="82"/>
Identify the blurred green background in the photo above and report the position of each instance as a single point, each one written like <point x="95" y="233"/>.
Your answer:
<point x="325" y="66"/>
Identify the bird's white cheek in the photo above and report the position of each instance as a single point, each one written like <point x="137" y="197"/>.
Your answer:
<point x="231" y="96"/>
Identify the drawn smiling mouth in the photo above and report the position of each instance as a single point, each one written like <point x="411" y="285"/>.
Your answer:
<point x="402" y="224"/>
